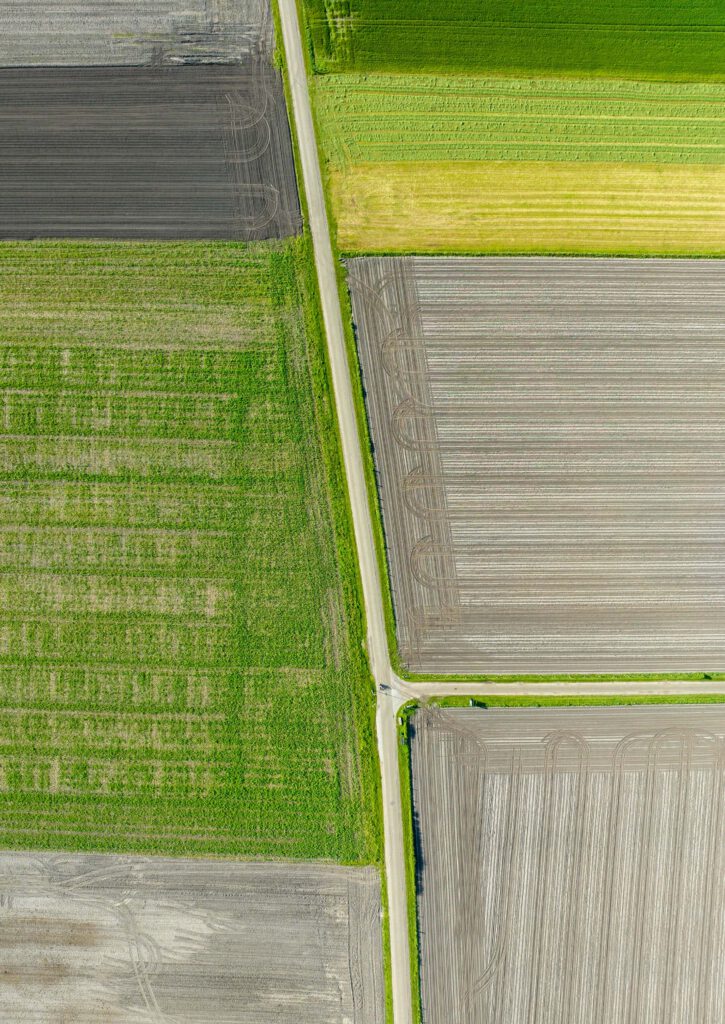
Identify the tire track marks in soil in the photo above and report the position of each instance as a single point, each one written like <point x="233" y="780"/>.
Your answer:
<point x="648" y="782"/>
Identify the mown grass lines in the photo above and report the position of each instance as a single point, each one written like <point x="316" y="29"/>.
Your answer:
<point x="425" y="163"/>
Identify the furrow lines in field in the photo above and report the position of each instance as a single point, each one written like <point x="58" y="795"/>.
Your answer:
<point x="530" y="485"/>
<point x="631" y="833"/>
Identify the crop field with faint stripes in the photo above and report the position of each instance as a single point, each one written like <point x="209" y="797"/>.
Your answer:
<point x="426" y="163"/>
<point x="180" y="666"/>
<point x="378" y="118"/>
<point x="570" y="864"/>
<point x="550" y="446"/>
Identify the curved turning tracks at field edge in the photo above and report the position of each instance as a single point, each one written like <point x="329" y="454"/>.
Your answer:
<point x="392" y="690"/>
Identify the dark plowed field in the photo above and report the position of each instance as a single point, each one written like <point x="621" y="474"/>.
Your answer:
<point x="186" y="152"/>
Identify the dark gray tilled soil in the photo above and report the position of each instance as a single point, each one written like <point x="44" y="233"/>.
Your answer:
<point x="184" y="152"/>
<point x="101" y="939"/>
<point x="570" y="864"/>
<point x="549" y="436"/>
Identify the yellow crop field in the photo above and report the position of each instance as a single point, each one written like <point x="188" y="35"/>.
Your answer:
<point x="530" y="206"/>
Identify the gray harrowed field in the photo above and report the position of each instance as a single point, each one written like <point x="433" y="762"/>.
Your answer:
<point x="549" y="438"/>
<point x="571" y="864"/>
<point x="118" y="32"/>
<point x="101" y="939"/>
<point x="172" y="152"/>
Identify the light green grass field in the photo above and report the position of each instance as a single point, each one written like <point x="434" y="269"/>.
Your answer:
<point x="683" y="39"/>
<point x="377" y="118"/>
<point x="180" y="647"/>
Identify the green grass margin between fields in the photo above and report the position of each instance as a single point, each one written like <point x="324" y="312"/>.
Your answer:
<point x="593" y="254"/>
<point x="406" y="713"/>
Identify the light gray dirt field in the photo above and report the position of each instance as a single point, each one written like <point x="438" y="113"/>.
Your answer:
<point x="118" y="32"/>
<point x="571" y="864"/>
<point x="184" y="152"/>
<point x="549" y="439"/>
<point x="98" y="939"/>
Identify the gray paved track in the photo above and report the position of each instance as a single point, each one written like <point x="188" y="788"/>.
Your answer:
<point x="115" y="32"/>
<point x="187" y="152"/>
<point x="95" y="939"/>
<point x="571" y="865"/>
<point x="550" y="441"/>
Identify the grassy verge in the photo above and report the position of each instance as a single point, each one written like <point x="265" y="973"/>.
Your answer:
<point x="406" y="793"/>
<point x="355" y="371"/>
<point x="333" y="449"/>
<point x="364" y="691"/>
<point x="495" y="701"/>
<point x="639" y="677"/>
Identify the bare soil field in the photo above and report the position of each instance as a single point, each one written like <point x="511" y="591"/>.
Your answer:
<point x="549" y="437"/>
<point x="95" y="939"/>
<point x="122" y="32"/>
<point x="570" y="865"/>
<point x="185" y="152"/>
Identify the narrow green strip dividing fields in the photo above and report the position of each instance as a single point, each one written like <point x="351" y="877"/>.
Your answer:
<point x="376" y="118"/>
<point x="181" y="667"/>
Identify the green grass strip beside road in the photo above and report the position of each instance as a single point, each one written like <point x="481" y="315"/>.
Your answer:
<point x="406" y="799"/>
<point x="313" y="289"/>
<point x="355" y="369"/>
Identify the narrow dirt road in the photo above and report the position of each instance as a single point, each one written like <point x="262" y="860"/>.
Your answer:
<point x="388" y="699"/>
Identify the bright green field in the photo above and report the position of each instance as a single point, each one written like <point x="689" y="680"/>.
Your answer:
<point x="683" y="39"/>
<point x="181" y="666"/>
<point x="374" y="118"/>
